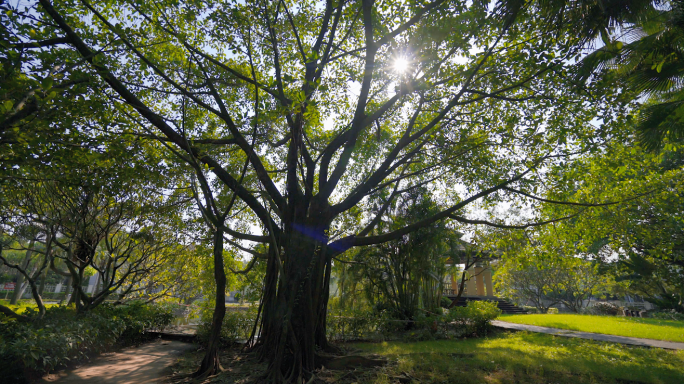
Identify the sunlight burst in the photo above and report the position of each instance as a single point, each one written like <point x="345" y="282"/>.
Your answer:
<point x="401" y="65"/>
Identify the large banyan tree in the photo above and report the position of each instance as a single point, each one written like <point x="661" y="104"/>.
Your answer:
<point x="308" y="118"/>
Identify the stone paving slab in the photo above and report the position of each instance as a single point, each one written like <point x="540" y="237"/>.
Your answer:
<point x="589" y="335"/>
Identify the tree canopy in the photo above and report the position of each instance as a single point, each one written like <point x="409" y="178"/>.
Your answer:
<point x="304" y="121"/>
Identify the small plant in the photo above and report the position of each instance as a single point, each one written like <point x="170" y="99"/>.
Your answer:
<point x="445" y="302"/>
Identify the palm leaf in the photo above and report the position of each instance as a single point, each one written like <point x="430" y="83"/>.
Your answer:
<point x="660" y="121"/>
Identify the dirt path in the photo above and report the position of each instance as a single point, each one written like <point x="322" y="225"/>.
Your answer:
<point x="149" y="363"/>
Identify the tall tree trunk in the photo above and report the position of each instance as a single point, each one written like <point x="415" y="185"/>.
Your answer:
<point x="20" y="286"/>
<point x="466" y="266"/>
<point x="211" y="363"/>
<point x="43" y="281"/>
<point x="294" y="321"/>
<point x="35" y="292"/>
<point x="321" y="336"/>
<point x="66" y="290"/>
<point x="96" y="288"/>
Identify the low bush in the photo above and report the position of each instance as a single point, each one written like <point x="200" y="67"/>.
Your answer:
<point x="536" y="310"/>
<point x="603" y="308"/>
<point x="360" y="324"/>
<point x="237" y="325"/>
<point x="667" y="315"/>
<point x="363" y="324"/>
<point x="530" y="309"/>
<point x="473" y="319"/>
<point x="445" y="302"/>
<point x="63" y="336"/>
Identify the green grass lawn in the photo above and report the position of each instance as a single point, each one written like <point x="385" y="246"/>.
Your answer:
<point x="524" y="357"/>
<point x="669" y="330"/>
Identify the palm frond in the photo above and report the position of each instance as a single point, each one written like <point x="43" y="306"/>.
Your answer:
<point x="660" y="121"/>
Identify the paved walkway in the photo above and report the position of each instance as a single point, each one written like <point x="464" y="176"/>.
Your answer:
<point x="591" y="336"/>
<point x="148" y="363"/>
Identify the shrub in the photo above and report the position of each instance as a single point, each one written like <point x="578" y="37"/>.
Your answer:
<point x="63" y="336"/>
<point x="667" y="315"/>
<point x="345" y="325"/>
<point x="445" y="302"/>
<point x="475" y="318"/>
<point x="139" y="318"/>
<point x="531" y="309"/>
<point x="237" y="325"/>
<point x="603" y="308"/>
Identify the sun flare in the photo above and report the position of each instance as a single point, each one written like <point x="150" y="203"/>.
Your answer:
<point x="401" y="65"/>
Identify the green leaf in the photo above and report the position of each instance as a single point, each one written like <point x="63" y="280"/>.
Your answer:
<point x="8" y="104"/>
<point x="46" y="84"/>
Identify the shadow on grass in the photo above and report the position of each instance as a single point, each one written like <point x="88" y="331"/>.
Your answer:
<point x="533" y="358"/>
<point x="663" y="323"/>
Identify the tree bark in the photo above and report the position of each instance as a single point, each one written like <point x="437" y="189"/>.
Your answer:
<point x="66" y="290"/>
<point x="20" y="286"/>
<point x="463" y="280"/>
<point x="210" y="363"/>
<point x="293" y="326"/>
<point x="43" y="279"/>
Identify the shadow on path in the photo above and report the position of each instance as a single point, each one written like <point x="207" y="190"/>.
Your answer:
<point x="148" y="363"/>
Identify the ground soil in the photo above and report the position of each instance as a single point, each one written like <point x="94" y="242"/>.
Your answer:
<point x="243" y="368"/>
<point x="148" y="363"/>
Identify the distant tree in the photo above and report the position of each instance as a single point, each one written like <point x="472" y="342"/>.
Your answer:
<point x="530" y="283"/>
<point x="643" y="234"/>
<point x="569" y="281"/>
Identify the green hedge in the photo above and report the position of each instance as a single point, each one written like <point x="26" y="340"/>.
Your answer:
<point x="473" y="319"/>
<point x="536" y="310"/>
<point x="31" y="349"/>
<point x="667" y="315"/>
<point x="237" y="325"/>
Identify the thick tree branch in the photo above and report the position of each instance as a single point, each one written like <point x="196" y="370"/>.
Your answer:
<point x="154" y="119"/>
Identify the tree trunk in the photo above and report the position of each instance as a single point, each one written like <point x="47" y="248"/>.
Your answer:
<point x="38" y="299"/>
<point x="96" y="288"/>
<point x="43" y="279"/>
<point x="66" y="290"/>
<point x="461" y="286"/>
<point x="20" y="287"/>
<point x="293" y="325"/>
<point x="211" y="364"/>
<point x="321" y="336"/>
